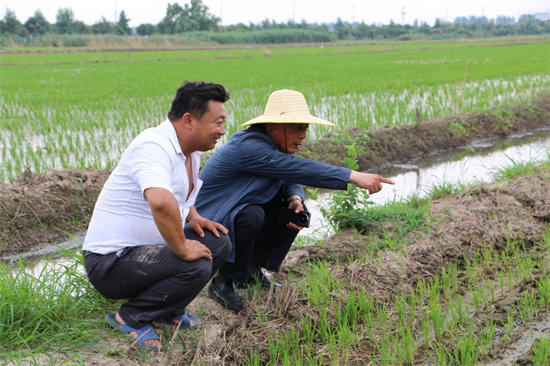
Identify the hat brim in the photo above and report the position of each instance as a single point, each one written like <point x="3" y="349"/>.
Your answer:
<point x="288" y="118"/>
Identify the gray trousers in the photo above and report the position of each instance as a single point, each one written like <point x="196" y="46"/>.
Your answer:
<point x="155" y="280"/>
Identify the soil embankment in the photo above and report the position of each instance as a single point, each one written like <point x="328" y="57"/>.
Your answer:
<point x="46" y="208"/>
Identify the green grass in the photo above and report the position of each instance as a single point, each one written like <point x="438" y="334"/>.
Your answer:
<point x="520" y="168"/>
<point x="41" y="311"/>
<point x="77" y="110"/>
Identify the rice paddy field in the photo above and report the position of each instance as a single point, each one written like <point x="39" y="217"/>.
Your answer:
<point x="81" y="109"/>
<point x="457" y="278"/>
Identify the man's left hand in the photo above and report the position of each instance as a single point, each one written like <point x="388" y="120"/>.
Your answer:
<point x="297" y="206"/>
<point x="198" y="224"/>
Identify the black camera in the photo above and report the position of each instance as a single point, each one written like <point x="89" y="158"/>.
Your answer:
<point x="301" y="218"/>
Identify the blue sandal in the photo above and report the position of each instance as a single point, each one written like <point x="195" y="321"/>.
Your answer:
<point x="143" y="334"/>
<point x="185" y="321"/>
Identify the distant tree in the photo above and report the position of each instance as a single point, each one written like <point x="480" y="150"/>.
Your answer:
<point x="171" y="23"/>
<point x="395" y="30"/>
<point x="65" y="21"/>
<point x="188" y="18"/>
<point x="342" y="29"/>
<point x="37" y="24"/>
<point x="525" y="18"/>
<point x="303" y="25"/>
<point x="267" y="24"/>
<point x="199" y="12"/>
<point x="528" y="25"/>
<point x="103" y="27"/>
<point x="424" y="28"/>
<point x="146" y="29"/>
<point x="79" y="27"/>
<point x="123" y="27"/>
<point x="503" y="19"/>
<point x="12" y="25"/>
<point x="461" y="20"/>
<point x="364" y="31"/>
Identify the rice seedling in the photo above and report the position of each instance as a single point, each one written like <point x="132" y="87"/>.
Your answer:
<point x="509" y="325"/>
<point x="45" y="106"/>
<point x="426" y="329"/>
<point x="476" y="299"/>
<point x="466" y="352"/>
<point x="487" y="337"/>
<point x="527" y="308"/>
<point x="543" y="286"/>
<point x="407" y="346"/>
<point x="541" y="351"/>
<point x="460" y="311"/>
<point x="442" y="355"/>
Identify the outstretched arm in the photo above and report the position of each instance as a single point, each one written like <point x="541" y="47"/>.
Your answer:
<point x="372" y="182"/>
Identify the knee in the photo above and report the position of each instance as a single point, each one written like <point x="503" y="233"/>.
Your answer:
<point x="250" y="218"/>
<point x="225" y="246"/>
<point x="199" y="270"/>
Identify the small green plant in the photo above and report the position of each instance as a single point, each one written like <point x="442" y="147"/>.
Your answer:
<point x="345" y="209"/>
<point x="541" y="351"/>
<point x="466" y="353"/>
<point x="443" y="357"/>
<point x="487" y="337"/>
<point x="458" y="127"/>
<point x="509" y="325"/>
<point x="544" y="292"/>
<point x="426" y="329"/>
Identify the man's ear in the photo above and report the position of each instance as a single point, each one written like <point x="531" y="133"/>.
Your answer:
<point x="187" y="120"/>
<point x="269" y="127"/>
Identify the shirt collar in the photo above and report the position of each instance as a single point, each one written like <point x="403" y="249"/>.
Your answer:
<point x="170" y="131"/>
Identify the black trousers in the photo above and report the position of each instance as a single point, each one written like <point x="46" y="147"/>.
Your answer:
<point x="156" y="281"/>
<point x="260" y="240"/>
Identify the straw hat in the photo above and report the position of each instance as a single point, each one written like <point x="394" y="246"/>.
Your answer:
<point x="287" y="106"/>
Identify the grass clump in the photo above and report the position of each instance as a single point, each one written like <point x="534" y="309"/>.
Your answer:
<point x="48" y="310"/>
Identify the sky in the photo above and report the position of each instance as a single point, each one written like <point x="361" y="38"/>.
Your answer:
<point x="313" y="11"/>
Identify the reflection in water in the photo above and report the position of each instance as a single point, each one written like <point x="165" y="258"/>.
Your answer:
<point x="477" y="163"/>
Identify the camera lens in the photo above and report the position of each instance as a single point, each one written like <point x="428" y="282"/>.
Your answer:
<point x="303" y="218"/>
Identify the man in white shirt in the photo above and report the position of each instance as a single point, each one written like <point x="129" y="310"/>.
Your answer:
<point x="136" y="246"/>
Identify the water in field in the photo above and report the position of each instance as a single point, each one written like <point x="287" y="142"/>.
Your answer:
<point x="62" y="138"/>
<point x="476" y="163"/>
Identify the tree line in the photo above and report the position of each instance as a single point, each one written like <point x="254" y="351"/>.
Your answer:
<point x="195" y="17"/>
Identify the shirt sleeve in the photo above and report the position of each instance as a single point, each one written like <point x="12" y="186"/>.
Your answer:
<point x="150" y="166"/>
<point x="258" y="156"/>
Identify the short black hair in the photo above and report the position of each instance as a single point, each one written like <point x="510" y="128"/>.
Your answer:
<point x="193" y="97"/>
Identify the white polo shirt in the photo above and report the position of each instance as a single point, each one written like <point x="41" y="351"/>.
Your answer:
<point x="122" y="216"/>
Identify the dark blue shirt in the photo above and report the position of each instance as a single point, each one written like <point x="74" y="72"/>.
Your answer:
<point x="249" y="169"/>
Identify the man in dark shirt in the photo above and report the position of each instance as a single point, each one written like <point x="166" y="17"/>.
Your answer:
<point x="249" y="179"/>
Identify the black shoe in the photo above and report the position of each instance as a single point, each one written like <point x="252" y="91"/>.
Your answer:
<point x="223" y="292"/>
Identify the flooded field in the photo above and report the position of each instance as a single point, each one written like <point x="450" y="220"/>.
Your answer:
<point x="476" y="163"/>
<point x="461" y="278"/>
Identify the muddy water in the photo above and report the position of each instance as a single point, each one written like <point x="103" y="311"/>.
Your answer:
<point x="475" y="163"/>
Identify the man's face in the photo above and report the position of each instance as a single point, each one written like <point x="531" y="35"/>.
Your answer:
<point x="211" y="126"/>
<point x="287" y="136"/>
